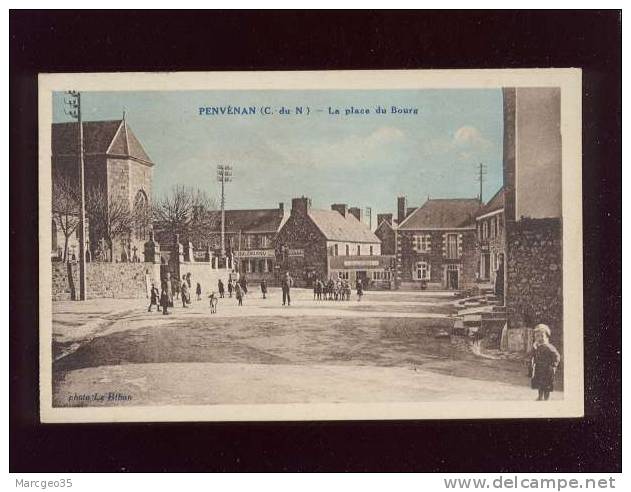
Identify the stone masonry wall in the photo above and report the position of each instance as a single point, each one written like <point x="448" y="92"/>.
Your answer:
<point x="113" y="280"/>
<point x="435" y="257"/>
<point x="534" y="275"/>
<point x="299" y="232"/>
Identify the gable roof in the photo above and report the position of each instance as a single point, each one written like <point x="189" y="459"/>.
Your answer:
<point x="113" y="138"/>
<point x="494" y="204"/>
<point x="251" y="220"/>
<point x="442" y="213"/>
<point x="337" y="227"/>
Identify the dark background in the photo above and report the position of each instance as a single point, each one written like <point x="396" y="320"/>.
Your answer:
<point x="75" y="41"/>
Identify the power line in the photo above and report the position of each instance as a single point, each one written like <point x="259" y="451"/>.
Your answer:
<point x="480" y="177"/>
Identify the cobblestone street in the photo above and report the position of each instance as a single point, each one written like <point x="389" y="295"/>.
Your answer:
<point x="381" y="349"/>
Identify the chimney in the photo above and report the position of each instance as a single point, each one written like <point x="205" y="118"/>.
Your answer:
<point x="300" y="205"/>
<point x="281" y="206"/>
<point x="402" y="203"/>
<point x="357" y="213"/>
<point x="382" y="217"/>
<point x="341" y="208"/>
<point x="410" y="210"/>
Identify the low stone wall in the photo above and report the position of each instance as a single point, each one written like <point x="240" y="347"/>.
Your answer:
<point x="114" y="280"/>
<point x="534" y="275"/>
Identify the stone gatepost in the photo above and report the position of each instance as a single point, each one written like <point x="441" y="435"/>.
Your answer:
<point x="178" y="250"/>
<point x="152" y="250"/>
<point x="190" y="252"/>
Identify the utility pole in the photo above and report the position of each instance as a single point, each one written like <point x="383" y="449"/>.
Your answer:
<point x="224" y="175"/>
<point x="480" y="178"/>
<point x="74" y="103"/>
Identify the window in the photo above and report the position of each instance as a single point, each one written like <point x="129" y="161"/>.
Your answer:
<point x="335" y="251"/>
<point x="422" y="243"/>
<point x="264" y="242"/>
<point x="343" y="275"/>
<point x="422" y="271"/>
<point x="485" y="229"/>
<point x="348" y="252"/>
<point x="359" y="250"/>
<point x="381" y="275"/>
<point x="452" y="246"/>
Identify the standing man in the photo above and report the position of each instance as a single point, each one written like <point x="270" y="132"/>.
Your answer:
<point x="286" y="285"/>
<point x="264" y="288"/>
<point x="230" y="287"/>
<point x="184" y="290"/>
<point x="221" y="289"/>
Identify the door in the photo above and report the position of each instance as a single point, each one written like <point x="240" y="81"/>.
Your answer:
<point x="452" y="279"/>
<point x="486" y="266"/>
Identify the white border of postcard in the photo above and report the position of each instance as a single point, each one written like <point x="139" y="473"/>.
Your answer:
<point x="569" y="80"/>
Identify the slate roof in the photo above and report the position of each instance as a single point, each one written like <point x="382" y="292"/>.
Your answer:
<point x="252" y="220"/>
<point x="336" y="227"/>
<point x="113" y="138"/>
<point x="442" y="213"/>
<point x="494" y="204"/>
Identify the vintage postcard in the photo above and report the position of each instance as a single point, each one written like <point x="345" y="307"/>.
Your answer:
<point x="310" y="245"/>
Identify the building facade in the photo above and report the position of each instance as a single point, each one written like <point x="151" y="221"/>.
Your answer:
<point x="534" y="234"/>
<point x="436" y="245"/>
<point x="326" y="244"/>
<point x="491" y="234"/>
<point x="117" y="168"/>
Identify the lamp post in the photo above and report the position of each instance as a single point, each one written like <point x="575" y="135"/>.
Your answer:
<point x="74" y="111"/>
<point x="224" y="175"/>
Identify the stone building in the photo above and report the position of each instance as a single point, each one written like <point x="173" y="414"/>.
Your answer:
<point x="385" y="233"/>
<point x="491" y="234"/>
<point x="436" y="245"/>
<point x="532" y="209"/>
<point x="327" y="244"/>
<point x="114" y="162"/>
<point x="249" y="238"/>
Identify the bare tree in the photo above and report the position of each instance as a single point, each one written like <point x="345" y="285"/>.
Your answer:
<point x="188" y="212"/>
<point x="111" y="218"/>
<point x="65" y="207"/>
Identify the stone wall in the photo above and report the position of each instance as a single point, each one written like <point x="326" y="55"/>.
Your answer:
<point x="114" y="280"/>
<point x="534" y="274"/>
<point x="299" y="232"/>
<point x="435" y="257"/>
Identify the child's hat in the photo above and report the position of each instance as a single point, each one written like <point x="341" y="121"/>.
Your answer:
<point x="543" y="329"/>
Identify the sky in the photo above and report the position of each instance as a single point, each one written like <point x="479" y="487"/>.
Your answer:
<point x="364" y="160"/>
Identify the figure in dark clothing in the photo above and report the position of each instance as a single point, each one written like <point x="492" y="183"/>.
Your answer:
<point x="220" y="288"/>
<point x="286" y="284"/>
<point x="185" y="293"/>
<point x="198" y="291"/>
<point x="244" y="285"/>
<point x="153" y="298"/>
<point x="499" y="280"/>
<point x="164" y="300"/>
<point x="544" y="361"/>
<point x="238" y="292"/>
<point x="230" y="287"/>
<point x="264" y="288"/>
<point x="360" y="289"/>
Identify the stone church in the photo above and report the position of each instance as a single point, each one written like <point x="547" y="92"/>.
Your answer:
<point x="118" y="166"/>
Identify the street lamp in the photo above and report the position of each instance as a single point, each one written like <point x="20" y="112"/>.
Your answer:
<point x="224" y="175"/>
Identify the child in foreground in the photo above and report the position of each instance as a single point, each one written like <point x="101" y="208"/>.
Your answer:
<point x="543" y="362"/>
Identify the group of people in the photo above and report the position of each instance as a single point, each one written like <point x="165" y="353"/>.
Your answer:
<point x="164" y="299"/>
<point x="336" y="290"/>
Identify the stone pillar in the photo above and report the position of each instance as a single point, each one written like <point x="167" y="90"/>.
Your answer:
<point x="178" y="250"/>
<point x="190" y="255"/>
<point x="152" y="250"/>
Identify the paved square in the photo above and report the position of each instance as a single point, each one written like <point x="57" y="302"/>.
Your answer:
<point x="384" y="348"/>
